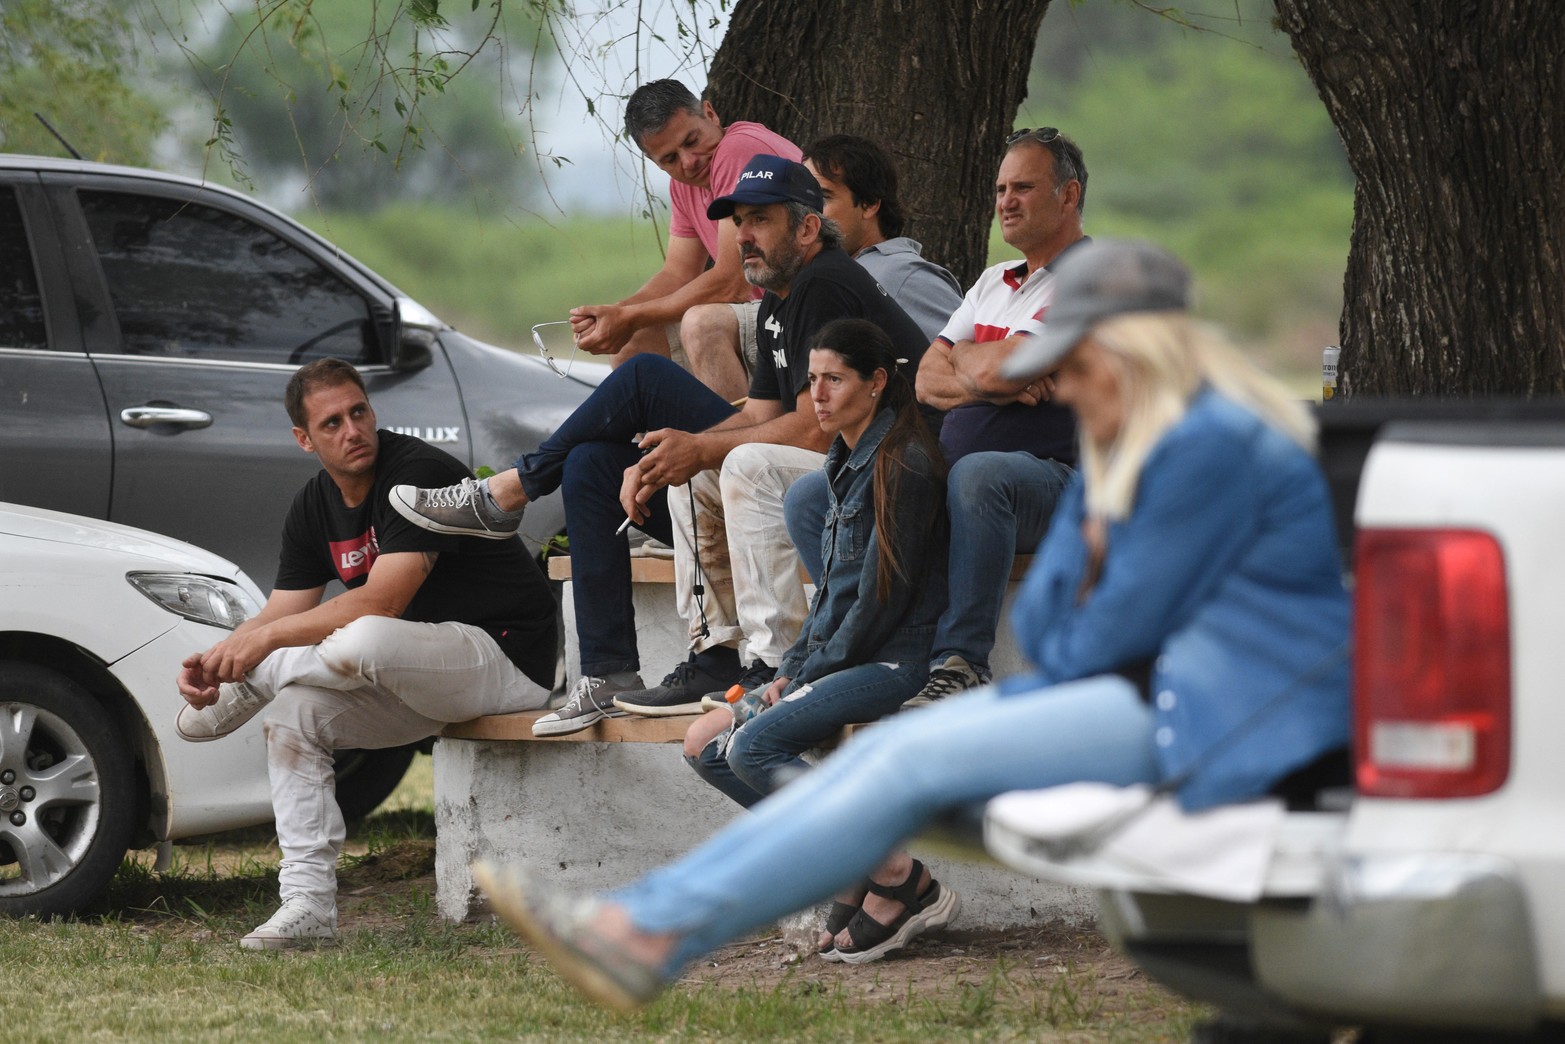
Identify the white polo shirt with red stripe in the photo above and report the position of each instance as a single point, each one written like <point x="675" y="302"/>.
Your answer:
<point x="1006" y="300"/>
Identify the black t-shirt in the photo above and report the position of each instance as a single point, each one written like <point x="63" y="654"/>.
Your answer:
<point x="831" y="286"/>
<point x="491" y="584"/>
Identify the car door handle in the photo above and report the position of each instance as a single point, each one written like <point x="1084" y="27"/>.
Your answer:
<point x="147" y="416"/>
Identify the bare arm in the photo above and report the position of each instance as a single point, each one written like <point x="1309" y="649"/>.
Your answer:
<point x="977" y="366"/>
<point x="969" y="371"/>
<point x="292" y="618"/>
<point x="681" y="283"/>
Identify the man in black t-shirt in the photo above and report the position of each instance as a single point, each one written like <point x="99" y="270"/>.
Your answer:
<point x="650" y="426"/>
<point x="431" y="629"/>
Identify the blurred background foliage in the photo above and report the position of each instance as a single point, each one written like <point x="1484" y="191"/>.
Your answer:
<point x="1199" y="128"/>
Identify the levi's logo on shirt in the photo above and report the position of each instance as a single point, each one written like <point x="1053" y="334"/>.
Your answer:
<point x="353" y="557"/>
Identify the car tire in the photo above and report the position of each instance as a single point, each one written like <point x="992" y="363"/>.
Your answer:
<point x="60" y="842"/>
<point x="365" y="778"/>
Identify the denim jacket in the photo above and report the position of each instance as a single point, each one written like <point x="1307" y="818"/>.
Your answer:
<point x="1226" y="578"/>
<point x="848" y="625"/>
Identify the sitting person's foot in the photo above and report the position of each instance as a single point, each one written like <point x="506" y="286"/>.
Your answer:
<point x="590" y="700"/>
<point x="844" y="907"/>
<point x="465" y="509"/>
<point x="299" y="922"/>
<point x="892" y="915"/>
<point x="680" y="691"/>
<point x="590" y="943"/>
<point x="237" y="703"/>
<point x="951" y="677"/>
<point x="758" y="675"/>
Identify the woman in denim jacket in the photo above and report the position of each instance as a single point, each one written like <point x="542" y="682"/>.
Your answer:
<point x="1185" y="614"/>
<point x="864" y="648"/>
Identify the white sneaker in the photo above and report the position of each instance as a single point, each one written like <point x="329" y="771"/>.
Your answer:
<point x="300" y="921"/>
<point x="237" y="703"/>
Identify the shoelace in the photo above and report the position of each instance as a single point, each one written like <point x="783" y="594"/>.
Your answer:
<point x="943" y="681"/>
<point x="586" y="685"/>
<point x="457" y="496"/>
<point x="680" y="675"/>
<point x="245" y="699"/>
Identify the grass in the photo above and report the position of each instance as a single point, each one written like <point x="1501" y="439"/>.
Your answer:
<point x="164" y="965"/>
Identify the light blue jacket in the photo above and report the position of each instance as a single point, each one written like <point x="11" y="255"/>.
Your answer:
<point x="1227" y="578"/>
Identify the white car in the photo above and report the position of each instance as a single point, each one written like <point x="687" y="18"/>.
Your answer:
<point x="94" y="621"/>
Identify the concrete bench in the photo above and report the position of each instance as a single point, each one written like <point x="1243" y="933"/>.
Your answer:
<point x="601" y="806"/>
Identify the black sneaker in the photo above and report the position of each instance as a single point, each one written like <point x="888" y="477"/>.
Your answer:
<point x="679" y="693"/>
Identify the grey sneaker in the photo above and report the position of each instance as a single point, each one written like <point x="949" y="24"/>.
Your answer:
<point x="461" y="509"/>
<point x="954" y="676"/>
<point x="590" y="701"/>
<point x="299" y="922"/>
<point x="560" y="926"/>
<point x="237" y="703"/>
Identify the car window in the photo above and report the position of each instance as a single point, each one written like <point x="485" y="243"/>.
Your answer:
<point x="21" y="307"/>
<point x="189" y="280"/>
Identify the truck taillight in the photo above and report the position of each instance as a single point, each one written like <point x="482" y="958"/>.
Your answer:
<point x="1432" y="664"/>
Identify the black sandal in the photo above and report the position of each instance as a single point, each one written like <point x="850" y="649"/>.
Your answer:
<point x="839" y="917"/>
<point x="933" y="908"/>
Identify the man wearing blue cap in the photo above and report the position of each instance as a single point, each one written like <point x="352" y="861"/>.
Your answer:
<point x="651" y="425"/>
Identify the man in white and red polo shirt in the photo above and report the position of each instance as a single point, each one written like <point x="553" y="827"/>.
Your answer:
<point x="1010" y="447"/>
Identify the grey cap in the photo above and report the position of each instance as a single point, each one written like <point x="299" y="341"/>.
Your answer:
<point x="1097" y="281"/>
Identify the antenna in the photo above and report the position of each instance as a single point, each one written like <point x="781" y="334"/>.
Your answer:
<point x="57" y="135"/>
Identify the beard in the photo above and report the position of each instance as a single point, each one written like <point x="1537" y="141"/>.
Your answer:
<point x="777" y="269"/>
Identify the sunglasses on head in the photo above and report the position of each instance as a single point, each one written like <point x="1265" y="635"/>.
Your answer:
<point x="1042" y="135"/>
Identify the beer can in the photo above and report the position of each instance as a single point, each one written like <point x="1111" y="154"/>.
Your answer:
<point x="1328" y="372"/>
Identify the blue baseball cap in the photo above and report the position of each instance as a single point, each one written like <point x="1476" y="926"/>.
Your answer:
<point x="769" y="179"/>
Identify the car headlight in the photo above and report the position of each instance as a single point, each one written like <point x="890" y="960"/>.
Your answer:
<point x="205" y="599"/>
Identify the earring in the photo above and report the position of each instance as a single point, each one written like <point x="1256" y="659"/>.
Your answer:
<point x="873" y="394"/>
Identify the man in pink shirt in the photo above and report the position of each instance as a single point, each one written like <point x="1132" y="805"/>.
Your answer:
<point x="703" y="159"/>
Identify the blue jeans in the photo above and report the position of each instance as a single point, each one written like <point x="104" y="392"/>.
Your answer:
<point x="586" y="458"/>
<point x="804" y="513"/>
<point x="765" y="751"/>
<point x="999" y="504"/>
<point x="834" y="825"/>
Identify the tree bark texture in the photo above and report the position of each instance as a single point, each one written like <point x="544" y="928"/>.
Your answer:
<point x="936" y="82"/>
<point x="1452" y="113"/>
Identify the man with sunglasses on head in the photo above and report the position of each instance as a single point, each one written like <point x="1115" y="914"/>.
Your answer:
<point x="1010" y="447"/>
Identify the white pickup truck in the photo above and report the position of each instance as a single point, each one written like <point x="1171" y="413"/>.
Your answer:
<point x="1424" y="898"/>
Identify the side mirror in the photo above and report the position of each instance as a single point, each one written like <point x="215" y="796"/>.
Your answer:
<point x="406" y="348"/>
<point x="413" y="350"/>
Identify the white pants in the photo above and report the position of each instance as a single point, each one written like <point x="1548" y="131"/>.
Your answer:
<point x="377" y="682"/>
<point x="749" y="565"/>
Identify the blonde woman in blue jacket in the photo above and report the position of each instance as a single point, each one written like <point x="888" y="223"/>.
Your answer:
<point x="1185" y="615"/>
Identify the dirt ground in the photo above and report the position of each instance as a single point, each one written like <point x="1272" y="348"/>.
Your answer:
<point x="939" y="962"/>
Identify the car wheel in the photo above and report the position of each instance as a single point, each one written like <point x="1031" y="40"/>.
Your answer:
<point x="365" y="778"/>
<point x="66" y="794"/>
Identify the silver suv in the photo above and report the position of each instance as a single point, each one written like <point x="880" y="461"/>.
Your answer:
<point x="148" y="324"/>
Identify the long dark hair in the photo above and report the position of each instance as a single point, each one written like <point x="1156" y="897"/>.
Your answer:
<point x="866" y="348"/>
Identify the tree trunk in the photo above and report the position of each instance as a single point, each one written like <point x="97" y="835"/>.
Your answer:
<point x="1453" y="117"/>
<point x="936" y="82"/>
